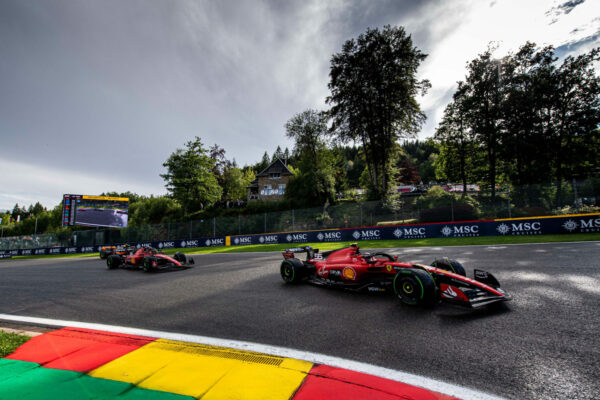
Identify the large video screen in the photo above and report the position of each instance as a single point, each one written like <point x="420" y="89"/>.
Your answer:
<point x="87" y="210"/>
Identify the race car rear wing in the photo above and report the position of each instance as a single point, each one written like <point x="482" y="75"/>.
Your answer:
<point x="310" y="252"/>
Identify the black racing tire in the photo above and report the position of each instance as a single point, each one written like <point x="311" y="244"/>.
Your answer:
<point x="147" y="264"/>
<point x="179" y="256"/>
<point x="113" y="261"/>
<point x="292" y="270"/>
<point x="415" y="287"/>
<point x="449" y="265"/>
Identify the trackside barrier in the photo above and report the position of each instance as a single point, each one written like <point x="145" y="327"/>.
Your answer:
<point x="564" y="224"/>
<point x="580" y="223"/>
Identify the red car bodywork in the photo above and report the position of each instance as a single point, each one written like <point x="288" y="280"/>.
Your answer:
<point x="350" y="269"/>
<point x="148" y="259"/>
<point x="138" y="256"/>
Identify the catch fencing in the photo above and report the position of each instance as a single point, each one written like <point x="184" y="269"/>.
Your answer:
<point x="409" y="208"/>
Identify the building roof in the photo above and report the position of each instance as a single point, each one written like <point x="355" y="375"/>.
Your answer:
<point x="275" y="167"/>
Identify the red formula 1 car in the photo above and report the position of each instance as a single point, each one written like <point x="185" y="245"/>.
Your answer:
<point x="414" y="284"/>
<point x="148" y="259"/>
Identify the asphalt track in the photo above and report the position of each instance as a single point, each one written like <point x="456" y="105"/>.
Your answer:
<point x="543" y="345"/>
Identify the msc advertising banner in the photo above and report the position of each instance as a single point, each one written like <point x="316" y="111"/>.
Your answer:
<point x="506" y="227"/>
<point x="583" y="223"/>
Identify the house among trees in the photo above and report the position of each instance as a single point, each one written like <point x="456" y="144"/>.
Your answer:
<point x="270" y="183"/>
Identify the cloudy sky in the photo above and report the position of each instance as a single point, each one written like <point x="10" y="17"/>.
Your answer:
<point x="95" y="95"/>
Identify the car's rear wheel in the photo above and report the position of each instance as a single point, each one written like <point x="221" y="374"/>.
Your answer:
<point x="449" y="265"/>
<point x="415" y="287"/>
<point x="292" y="270"/>
<point x="113" y="261"/>
<point x="147" y="264"/>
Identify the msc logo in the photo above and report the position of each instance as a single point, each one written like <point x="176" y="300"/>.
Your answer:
<point x="215" y="242"/>
<point x="409" y="233"/>
<point x="26" y="252"/>
<point x="87" y="249"/>
<point x="523" y="228"/>
<point x="70" y="250"/>
<point x="297" y="237"/>
<point x="40" y="251"/>
<point x="189" y="243"/>
<point x="590" y="225"/>
<point x="461" y="231"/>
<point x="166" y="245"/>
<point x="366" y="234"/>
<point x="329" y="236"/>
<point x="242" y="240"/>
<point x="55" y="251"/>
<point x="268" y="239"/>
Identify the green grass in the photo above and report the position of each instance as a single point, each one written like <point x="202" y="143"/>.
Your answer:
<point x="379" y="244"/>
<point x="9" y="342"/>
<point x="52" y="256"/>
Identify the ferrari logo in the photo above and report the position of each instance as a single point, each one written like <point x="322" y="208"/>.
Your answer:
<point x="389" y="268"/>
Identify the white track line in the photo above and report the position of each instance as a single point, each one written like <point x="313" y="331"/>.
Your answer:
<point x="411" y="379"/>
<point x="400" y="248"/>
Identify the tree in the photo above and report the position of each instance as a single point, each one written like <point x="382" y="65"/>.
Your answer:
<point x="576" y="117"/>
<point x="235" y="182"/>
<point x="262" y="164"/>
<point x="373" y="95"/>
<point x="482" y="97"/>
<point x="154" y="210"/>
<point x="190" y="178"/>
<point x="407" y="173"/>
<point x="278" y="154"/>
<point x="314" y="182"/>
<point x="458" y="154"/>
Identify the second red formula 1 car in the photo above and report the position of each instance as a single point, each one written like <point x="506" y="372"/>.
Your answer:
<point x="414" y="284"/>
<point x="148" y="259"/>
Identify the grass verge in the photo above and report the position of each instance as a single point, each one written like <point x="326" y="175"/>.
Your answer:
<point x="378" y="244"/>
<point x="9" y="342"/>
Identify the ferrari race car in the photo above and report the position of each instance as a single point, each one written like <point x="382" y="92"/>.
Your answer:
<point x="149" y="259"/>
<point x="122" y="250"/>
<point x="414" y="284"/>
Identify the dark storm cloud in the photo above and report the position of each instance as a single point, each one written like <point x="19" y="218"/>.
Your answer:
<point x="574" y="46"/>
<point x="95" y="94"/>
<point x="112" y="86"/>
<point x="563" y="9"/>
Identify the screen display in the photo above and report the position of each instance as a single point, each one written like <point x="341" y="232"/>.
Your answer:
<point x="87" y="210"/>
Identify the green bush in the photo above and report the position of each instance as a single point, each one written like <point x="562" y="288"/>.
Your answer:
<point x="440" y="206"/>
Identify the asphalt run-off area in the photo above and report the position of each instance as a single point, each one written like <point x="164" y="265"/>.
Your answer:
<point x="542" y="345"/>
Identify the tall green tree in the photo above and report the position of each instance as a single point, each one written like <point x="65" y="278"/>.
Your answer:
<point x="576" y="117"/>
<point x="482" y="98"/>
<point x="374" y="93"/>
<point x="235" y="181"/>
<point x="457" y="161"/>
<point x="190" y="178"/>
<point x="314" y="181"/>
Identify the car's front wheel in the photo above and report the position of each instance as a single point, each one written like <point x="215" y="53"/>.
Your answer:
<point x="179" y="256"/>
<point x="449" y="265"/>
<point x="415" y="287"/>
